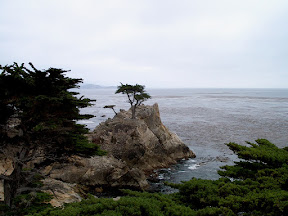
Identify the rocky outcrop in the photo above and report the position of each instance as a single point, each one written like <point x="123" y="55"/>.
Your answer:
<point x="135" y="147"/>
<point x="143" y="143"/>
<point x="97" y="171"/>
<point x="62" y="192"/>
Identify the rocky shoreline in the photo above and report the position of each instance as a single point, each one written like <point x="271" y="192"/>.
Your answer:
<point x="135" y="148"/>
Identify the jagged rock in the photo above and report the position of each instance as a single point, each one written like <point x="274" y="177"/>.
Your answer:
<point x="11" y="129"/>
<point x="62" y="192"/>
<point x="143" y="143"/>
<point x="135" y="148"/>
<point x="98" y="171"/>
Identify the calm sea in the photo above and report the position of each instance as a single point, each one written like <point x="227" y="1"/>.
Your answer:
<point x="206" y="119"/>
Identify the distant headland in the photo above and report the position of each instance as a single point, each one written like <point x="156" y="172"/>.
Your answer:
<point x="93" y="86"/>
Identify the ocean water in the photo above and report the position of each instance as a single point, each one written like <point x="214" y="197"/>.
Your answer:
<point x="206" y="119"/>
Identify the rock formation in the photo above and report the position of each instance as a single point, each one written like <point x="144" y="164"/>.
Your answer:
<point x="97" y="171"/>
<point x="143" y="143"/>
<point x="62" y="192"/>
<point x="135" y="147"/>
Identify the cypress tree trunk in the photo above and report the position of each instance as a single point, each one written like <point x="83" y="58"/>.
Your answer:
<point x="12" y="184"/>
<point x="7" y="192"/>
<point x="133" y="108"/>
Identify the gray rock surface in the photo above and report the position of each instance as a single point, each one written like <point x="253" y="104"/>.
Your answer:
<point x="62" y="192"/>
<point x="135" y="147"/>
<point x="97" y="171"/>
<point x="143" y="143"/>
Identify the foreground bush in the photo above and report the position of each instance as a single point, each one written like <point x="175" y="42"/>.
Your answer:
<point x="257" y="185"/>
<point x="135" y="203"/>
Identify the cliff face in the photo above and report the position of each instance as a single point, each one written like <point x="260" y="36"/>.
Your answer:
<point x="143" y="143"/>
<point x="135" y="147"/>
<point x="97" y="171"/>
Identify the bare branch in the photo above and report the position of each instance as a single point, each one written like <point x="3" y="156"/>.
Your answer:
<point x="4" y="177"/>
<point x="28" y="189"/>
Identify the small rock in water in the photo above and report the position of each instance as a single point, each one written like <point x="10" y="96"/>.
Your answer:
<point x="222" y="159"/>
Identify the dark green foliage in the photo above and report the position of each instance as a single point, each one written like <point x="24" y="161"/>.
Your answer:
<point x="136" y="95"/>
<point x="198" y="193"/>
<point x="46" y="108"/>
<point x="31" y="203"/>
<point x="264" y="153"/>
<point x="256" y="186"/>
<point x="38" y="118"/>
<point x="136" y="204"/>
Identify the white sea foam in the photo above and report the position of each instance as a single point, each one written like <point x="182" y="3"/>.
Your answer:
<point x="189" y="162"/>
<point x="194" y="166"/>
<point x="161" y="176"/>
<point x="192" y="161"/>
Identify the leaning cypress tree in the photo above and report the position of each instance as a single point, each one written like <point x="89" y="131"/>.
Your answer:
<point x="42" y="108"/>
<point x="136" y="95"/>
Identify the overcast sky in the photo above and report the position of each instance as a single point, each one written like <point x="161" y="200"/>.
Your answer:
<point x="158" y="43"/>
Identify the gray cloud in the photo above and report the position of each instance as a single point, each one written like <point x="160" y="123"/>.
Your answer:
<point x="157" y="43"/>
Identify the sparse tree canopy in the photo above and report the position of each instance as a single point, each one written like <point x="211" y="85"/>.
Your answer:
<point x="45" y="111"/>
<point x="136" y="95"/>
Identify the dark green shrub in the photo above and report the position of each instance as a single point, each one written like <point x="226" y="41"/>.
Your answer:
<point x="255" y="186"/>
<point x="134" y="204"/>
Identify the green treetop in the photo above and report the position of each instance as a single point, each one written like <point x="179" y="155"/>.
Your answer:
<point x="41" y="107"/>
<point x="136" y="95"/>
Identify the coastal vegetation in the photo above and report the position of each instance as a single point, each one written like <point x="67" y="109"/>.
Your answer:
<point x="38" y="125"/>
<point x="136" y="95"/>
<point x="256" y="185"/>
<point x="39" y="110"/>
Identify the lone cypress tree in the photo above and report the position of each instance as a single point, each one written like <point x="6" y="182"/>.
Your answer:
<point x="136" y="95"/>
<point x="42" y="109"/>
